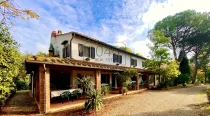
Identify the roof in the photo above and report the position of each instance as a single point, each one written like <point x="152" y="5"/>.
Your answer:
<point x="77" y="63"/>
<point x="103" y="43"/>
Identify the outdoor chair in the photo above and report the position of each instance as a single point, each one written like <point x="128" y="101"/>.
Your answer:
<point x="64" y="95"/>
<point x="74" y="94"/>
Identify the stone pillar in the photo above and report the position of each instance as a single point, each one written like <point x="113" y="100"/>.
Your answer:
<point x="154" y="81"/>
<point x="44" y="86"/>
<point x="98" y="80"/>
<point x="137" y="82"/>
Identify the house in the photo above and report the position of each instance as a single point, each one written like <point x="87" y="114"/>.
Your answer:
<point x="74" y="55"/>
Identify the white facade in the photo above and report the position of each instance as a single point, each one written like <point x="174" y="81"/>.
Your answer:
<point x="103" y="53"/>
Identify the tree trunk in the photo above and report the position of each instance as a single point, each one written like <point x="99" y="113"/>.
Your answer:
<point x="196" y="68"/>
<point x="174" y="52"/>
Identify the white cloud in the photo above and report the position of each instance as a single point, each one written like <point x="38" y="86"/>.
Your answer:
<point x="42" y="47"/>
<point x="129" y="23"/>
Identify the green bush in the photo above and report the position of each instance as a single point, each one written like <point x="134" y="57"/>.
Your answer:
<point x="94" y="101"/>
<point x="163" y="85"/>
<point x="21" y="85"/>
<point x="208" y="94"/>
<point x="182" y="79"/>
<point x="105" y="89"/>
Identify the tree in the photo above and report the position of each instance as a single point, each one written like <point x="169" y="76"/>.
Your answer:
<point x="9" y="9"/>
<point x="159" y="52"/>
<point x="126" y="49"/>
<point x="182" y="26"/>
<point x="184" y="68"/>
<point x="10" y="61"/>
<point x="125" y="78"/>
<point x="170" y="71"/>
<point x="200" y="45"/>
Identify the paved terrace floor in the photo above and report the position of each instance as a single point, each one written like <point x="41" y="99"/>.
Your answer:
<point x="175" y="102"/>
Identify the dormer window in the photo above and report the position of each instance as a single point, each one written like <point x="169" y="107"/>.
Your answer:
<point x="133" y="62"/>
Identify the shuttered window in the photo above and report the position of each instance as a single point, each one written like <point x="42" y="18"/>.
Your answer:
<point x="80" y="49"/>
<point x="64" y="53"/>
<point x="114" y="58"/>
<point x="92" y="52"/>
<point x="68" y="50"/>
<point x="120" y="59"/>
<point x="86" y="51"/>
<point x="117" y="58"/>
<point x="133" y="62"/>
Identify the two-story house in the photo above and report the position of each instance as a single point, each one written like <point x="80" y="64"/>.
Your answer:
<point x="74" y="55"/>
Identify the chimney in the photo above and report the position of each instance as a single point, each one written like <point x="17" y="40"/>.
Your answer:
<point x="59" y="32"/>
<point x="53" y="34"/>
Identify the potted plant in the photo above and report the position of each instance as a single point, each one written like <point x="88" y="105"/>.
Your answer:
<point x="87" y="59"/>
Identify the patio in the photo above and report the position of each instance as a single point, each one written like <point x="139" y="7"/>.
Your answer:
<point x="67" y="105"/>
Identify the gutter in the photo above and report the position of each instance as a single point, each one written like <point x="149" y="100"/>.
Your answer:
<point x="73" y="34"/>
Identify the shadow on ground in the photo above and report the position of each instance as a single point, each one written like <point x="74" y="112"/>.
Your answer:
<point x="21" y="103"/>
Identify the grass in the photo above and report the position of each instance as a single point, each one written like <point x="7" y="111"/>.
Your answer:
<point x="205" y="105"/>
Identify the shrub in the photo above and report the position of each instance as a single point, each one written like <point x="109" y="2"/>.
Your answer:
<point x="163" y="85"/>
<point x="105" y="89"/>
<point x="124" y="90"/>
<point x="86" y="83"/>
<point x="22" y="85"/>
<point x="94" y="101"/>
<point x="208" y="94"/>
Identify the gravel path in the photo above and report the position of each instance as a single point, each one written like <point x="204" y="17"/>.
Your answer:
<point x="176" y="102"/>
<point x="21" y="103"/>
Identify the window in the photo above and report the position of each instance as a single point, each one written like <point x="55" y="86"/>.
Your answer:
<point x="86" y="51"/>
<point x="117" y="58"/>
<point x="93" y="52"/>
<point x="133" y="62"/>
<point x="66" y="51"/>
<point x="80" y="48"/>
<point x="143" y="64"/>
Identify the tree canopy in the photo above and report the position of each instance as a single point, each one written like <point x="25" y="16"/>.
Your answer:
<point x="9" y="9"/>
<point x="187" y="31"/>
<point x="10" y="61"/>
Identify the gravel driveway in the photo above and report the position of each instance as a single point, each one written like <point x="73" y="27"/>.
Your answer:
<point x="176" y="102"/>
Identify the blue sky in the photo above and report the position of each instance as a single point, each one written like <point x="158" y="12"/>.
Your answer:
<point x="111" y="21"/>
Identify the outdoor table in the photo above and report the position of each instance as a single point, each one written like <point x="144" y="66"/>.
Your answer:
<point x="57" y="93"/>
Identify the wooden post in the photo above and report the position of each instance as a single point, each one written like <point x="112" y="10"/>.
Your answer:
<point x="110" y="78"/>
<point x="154" y="80"/>
<point x="137" y="82"/>
<point x="147" y="80"/>
<point x="98" y="80"/>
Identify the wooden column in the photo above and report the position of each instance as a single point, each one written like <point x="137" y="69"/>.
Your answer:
<point x="137" y="82"/>
<point x="147" y="80"/>
<point x="71" y="79"/>
<point x="154" y="80"/>
<point x="44" y="86"/>
<point x="110" y="78"/>
<point x="98" y="80"/>
<point x="115" y="82"/>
